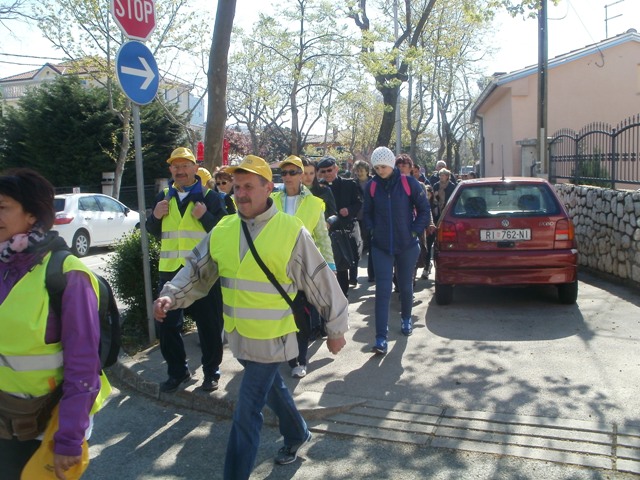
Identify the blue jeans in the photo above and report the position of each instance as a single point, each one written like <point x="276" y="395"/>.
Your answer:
<point x="261" y="385"/>
<point x="383" y="263"/>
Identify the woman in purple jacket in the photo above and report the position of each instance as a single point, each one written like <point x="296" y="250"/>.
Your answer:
<point x="396" y="212"/>
<point x="46" y="360"/>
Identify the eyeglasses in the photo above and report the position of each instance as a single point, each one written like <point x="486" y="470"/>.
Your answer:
<point x="325" y="170"/>
<point x="293" y="173"/>
<point x="221" y="183"/>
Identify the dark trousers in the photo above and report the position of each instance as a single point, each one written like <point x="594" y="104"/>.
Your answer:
<point x="343" y="281"/>
<point x="303" y="348"/>
<point x="207" y="314"/>
<point x="14" y="455"/>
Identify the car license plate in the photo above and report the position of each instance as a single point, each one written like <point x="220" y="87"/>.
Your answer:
<point x="499" y="235"/>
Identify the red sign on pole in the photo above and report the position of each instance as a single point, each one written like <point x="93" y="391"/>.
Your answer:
<point x="225" y="151"/>
<point x="136" y="18"/>
<point x="200" y="152"/>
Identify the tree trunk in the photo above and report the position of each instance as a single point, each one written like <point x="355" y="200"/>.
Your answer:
<point x="217" y="84"/>
<point x="294" y="119"/>
<point x="125" y="145"/>
<point x="390" y="98"/>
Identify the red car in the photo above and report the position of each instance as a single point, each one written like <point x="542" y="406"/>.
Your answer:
<point x="505" y="232"/>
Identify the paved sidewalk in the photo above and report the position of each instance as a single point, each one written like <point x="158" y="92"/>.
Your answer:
<point x="417" y="394"/>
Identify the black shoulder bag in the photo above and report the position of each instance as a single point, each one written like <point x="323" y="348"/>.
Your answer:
<point x="299" y="305"/>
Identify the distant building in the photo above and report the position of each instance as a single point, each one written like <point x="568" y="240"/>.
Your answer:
<point x="13" y="88"/>
<point x="597" y="83"/>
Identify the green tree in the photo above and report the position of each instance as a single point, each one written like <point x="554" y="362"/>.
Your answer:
<point x="61" y="129"/>
<point x="388" y="57"/>
<point x="66" y="131"/>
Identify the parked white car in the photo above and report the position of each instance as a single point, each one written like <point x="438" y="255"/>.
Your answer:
<point x="86" y="220"/>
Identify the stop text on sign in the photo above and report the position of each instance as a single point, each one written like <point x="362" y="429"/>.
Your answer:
<point x="138" y="10"/>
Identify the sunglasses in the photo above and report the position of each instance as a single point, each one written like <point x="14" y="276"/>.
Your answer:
<point x="325" y="170"/>
<point x="221" y="183"/>
<point x="293" y="173"/>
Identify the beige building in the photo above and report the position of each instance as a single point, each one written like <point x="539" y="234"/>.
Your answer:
<point x="597" y="83"/>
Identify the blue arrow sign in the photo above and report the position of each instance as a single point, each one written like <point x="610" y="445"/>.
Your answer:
<point x="137" y="72"/>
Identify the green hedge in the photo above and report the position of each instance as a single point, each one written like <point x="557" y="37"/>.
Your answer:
<point x="124" y="270"/>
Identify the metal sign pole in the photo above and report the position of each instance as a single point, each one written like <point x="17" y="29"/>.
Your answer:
<point x="146" y="269"/>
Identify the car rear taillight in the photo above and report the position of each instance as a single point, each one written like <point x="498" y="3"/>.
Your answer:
<point x="62" y="219"/>
<point x="564" y="234"/>
<point x="447" y="233"/>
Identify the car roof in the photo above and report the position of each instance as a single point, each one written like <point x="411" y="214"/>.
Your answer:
<point x="494" y="180"/>
<point x="67" y="195"/>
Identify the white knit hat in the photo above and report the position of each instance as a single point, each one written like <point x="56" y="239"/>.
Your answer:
<point x="383" y="156"/>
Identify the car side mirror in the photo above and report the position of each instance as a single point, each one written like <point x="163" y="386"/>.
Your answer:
<point x="126" y="211"/>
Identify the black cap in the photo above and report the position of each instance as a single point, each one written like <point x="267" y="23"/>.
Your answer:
<point x="327" y="161"/>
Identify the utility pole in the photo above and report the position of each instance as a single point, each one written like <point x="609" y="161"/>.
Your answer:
<point x="607" y="17"/>
<point x="543" y="58"/>
<point x="398" y="119"/>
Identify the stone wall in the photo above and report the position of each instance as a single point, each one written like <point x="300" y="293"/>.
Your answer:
<point x="607" y="230"/>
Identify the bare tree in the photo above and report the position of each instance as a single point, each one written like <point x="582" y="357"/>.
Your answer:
<point x="298" y="62"/>
<point x="14" y="10"/>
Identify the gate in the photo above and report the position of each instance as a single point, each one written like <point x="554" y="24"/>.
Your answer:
<point x="597" y="155"/>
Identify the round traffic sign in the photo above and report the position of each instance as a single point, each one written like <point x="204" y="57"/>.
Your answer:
<point x="137" y="72"/>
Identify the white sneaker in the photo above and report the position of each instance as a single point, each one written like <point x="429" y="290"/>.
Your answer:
<point x="299" y="371"/>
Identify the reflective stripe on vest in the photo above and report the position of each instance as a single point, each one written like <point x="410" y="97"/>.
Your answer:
<point x="253" y="286"/>
<point x="180" y="235"/>
<point x="310" y="209"/>
<point x="29" y="366"/>
<point x="251" y="304"/>
<point x="26" y="363"/>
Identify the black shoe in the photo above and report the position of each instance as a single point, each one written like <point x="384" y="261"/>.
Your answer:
<point x="172" y="384"/>
<point x="354" y="282"/>
<point x="371" y="279"/>
<point x="209" y="384"/>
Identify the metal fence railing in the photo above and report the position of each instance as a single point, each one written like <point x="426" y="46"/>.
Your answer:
<point x="597" y="155"/>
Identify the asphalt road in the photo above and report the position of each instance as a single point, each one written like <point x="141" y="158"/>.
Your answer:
<point x="141" y="439"/>
<point x="499" y="351"/>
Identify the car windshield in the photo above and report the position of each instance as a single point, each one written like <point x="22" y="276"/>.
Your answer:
<point x="507" y="199"/>
<point x="58" y="204"/>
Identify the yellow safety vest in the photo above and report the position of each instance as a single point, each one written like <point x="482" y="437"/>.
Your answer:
<point x="28" y="365"/>
<point x="251" y="304"/>
<point x="180" y="235"/>
<point x="310" y="209"/>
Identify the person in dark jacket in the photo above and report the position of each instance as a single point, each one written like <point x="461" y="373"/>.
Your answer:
<point x="396" y="214"/>
<point x="442" y="192"/>
<point x="348" y="202"/>
<point x="362" y="171"/>
<point x="310" y="180"/>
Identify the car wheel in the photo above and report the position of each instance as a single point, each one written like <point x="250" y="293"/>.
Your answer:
<point x="81" y="243"/>
<point x="444" y="294"/>
<point x="568" y="293"/>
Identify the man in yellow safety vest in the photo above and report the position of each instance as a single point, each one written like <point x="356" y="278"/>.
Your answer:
<point x="182" y="215"/>
<point x="258" y="320"/>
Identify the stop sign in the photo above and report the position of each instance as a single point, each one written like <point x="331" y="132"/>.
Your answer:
<point x="136" y="18"/>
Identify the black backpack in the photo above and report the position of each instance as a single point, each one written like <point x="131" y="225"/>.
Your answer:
<point x="110" y="336"/>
